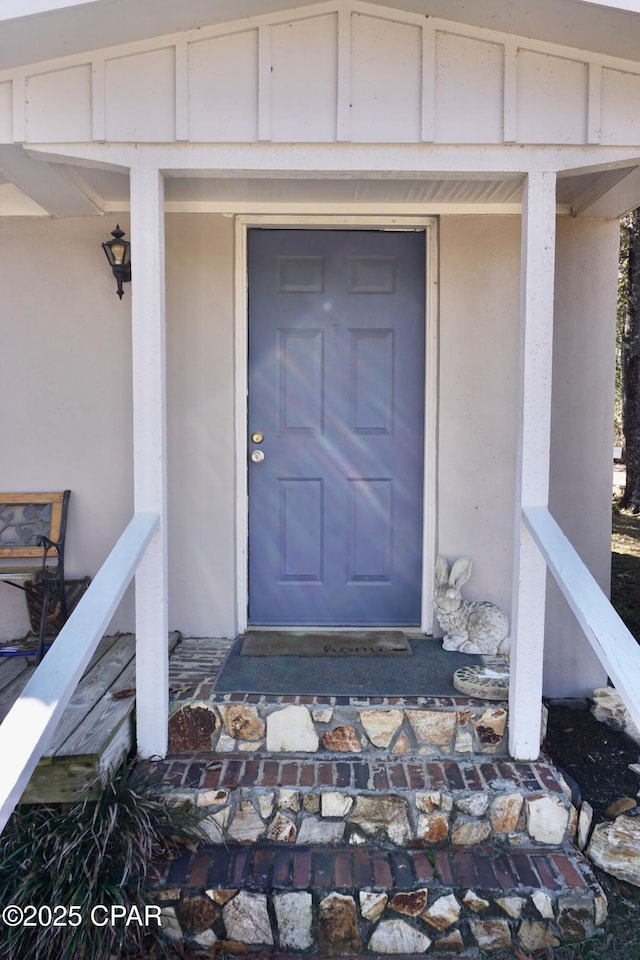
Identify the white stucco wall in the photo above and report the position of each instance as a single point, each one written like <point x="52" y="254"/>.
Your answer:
<point x="65" y="387"/>
<point x="478" y="338"/>
<point x="479" y="311"/>
<point x="201" y="426"/>
<point x="63" y="326"/>
<point x="582" y="433"/>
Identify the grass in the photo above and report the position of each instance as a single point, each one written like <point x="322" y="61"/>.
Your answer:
<point x="85" y="855"/>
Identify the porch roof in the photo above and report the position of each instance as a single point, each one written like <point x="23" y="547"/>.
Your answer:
<point x="466" y="105"/>
<point x="34" y="30"/>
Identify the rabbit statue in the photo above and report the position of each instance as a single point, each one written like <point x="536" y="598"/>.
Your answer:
<point x="470" y="626"/>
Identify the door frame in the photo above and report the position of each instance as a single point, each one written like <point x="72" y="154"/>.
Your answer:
<point x="243" y="223"/>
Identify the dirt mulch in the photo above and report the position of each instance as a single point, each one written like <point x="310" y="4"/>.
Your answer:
<point x="593" y="757"/>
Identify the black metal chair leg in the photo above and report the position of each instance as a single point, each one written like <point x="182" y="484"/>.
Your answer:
<point x="46" y="587"/>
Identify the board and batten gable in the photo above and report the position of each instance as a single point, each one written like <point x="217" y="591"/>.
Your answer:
<point x="314" y="75"/>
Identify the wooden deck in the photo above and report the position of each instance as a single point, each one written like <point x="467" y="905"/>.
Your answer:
<point x="96" y="730"/>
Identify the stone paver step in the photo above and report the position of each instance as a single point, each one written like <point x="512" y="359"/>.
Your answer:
<point x="366" y="726"/>
<point x="377" y="900"/>
<point x="404" y="801"/>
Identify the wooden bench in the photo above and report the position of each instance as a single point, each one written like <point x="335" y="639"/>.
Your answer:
<point x="32" y="528"/>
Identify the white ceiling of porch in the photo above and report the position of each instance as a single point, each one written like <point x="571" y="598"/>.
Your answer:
<point x="33" y="30"/>
<point x="244" y="191"/>
<point x="104" y="191"/>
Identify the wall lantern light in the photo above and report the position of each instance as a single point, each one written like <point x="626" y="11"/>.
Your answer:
<point x="118" y="253"/>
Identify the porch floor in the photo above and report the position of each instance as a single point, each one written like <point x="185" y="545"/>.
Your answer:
<point x="197" y="665"/>
<point x="96" y="730"/>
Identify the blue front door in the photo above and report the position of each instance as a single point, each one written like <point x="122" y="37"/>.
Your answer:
<point x="336" y="412"/>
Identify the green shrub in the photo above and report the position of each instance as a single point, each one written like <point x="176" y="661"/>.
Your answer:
<point x="91" y="854"/>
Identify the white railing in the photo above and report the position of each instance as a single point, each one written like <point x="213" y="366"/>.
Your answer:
<point x="615" y="646"/>
<point x="27" y="728"/>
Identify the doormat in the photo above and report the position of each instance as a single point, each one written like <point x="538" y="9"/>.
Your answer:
<point x="428" y="673"/>
<point x="369" y="644"/>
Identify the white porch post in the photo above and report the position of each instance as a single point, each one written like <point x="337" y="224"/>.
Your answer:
<point x="532" y="484"/>
<point x="149" y="455"/>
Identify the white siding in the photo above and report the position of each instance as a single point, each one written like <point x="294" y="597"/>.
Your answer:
<point x="201" y="425"/>
<point x="468" y="71"/>
<point x="59" y="105"/>
<point x="81" y="437"/>
<point x="552" y="99"/>
<point x="386" y="79"/>
<point x="304" y="58"/>
<point x="620" y="107"/>
<point x="217" y="67"/>
<point x="141" y="97"/>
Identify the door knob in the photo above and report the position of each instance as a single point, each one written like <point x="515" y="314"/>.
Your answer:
<point x="257" y="456"/>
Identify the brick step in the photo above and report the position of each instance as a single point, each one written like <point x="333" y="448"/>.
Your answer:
<point x="202" y="721"/>
<point x="350" y="800"/>
<point x="377" y="901"/>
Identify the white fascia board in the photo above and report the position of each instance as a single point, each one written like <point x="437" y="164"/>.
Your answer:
<point x="433" y="161"/>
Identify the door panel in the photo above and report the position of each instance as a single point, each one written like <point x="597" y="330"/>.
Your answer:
<point x="301" y="378"/>
<point x="336" y="386"/>
<point x="372" y="380"/>
<point x="300" y="507"/>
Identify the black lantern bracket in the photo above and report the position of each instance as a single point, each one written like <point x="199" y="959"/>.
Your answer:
<point x="118" y="253"/>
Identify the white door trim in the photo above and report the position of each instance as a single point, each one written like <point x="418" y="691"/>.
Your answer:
<point x="430" y="226"/>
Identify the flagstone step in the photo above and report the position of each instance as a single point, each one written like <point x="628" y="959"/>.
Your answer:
<point x="434" y="726"/>
<point x="347" y="800"/>
<point x="377" y="901"/>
